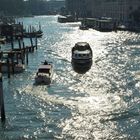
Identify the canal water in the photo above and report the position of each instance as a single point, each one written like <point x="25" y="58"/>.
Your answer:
<point x="102" y="104"/>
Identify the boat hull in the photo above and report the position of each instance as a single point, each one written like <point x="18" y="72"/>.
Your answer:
<point x="42" y="80"/>
<point x="81" y="66"/>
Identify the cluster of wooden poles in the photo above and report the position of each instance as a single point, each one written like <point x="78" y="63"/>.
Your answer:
<point x="13" y="56"/>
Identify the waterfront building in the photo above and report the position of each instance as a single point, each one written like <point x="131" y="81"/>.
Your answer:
<point x="76" y="8"/>
<point x="119" y="10"/>
<point x="55" y="6"/>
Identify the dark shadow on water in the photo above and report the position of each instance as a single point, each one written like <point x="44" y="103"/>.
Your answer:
<point x="81" y="68"/>
<point x="41" y="84"/>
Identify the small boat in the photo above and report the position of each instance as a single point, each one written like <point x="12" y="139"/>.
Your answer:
<point x="62" y="19"/>
<point x="83" y="27"/>
<point x="16" y="68"/>
<point x="81" y="57"/>
<point x="2" y="40"/>
<point x="37" y="34"/>
<point x="67" y="18"/>
<point x="44" y="74"/>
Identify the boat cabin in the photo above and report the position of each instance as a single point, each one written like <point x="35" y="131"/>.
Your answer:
<point x="81" y="50"/>
<point x="86" y="54"/>
<point x="44" y="69"/>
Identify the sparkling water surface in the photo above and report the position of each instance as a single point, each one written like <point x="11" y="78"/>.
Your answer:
<point x="102" y="104"/>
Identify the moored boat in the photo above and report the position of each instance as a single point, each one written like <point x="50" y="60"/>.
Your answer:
<point x="2" y="40"/>
<point x="67" y="18"/>
<point x="44" y="74"/>
<point x="15" y="68"/>
<point x="37" y="34"/>
<point x="81" y="57"/>
<point x="83" y="27"/>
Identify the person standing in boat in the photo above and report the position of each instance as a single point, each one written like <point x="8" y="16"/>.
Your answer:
<point x="45" y="63"/>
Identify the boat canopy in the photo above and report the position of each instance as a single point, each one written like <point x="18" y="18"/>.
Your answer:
<point x="44" y="68"/>
<point x="81" y="46"/>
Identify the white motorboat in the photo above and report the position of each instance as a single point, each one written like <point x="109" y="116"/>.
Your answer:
<point x="44" y="74"/>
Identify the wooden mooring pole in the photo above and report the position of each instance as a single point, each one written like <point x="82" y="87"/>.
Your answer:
<point x="26" y="55"/>
<point x="32" y="46"/>
<point x="12" y="42"/>
<point x="36" y="42"/>
<point x="19" y="43"/>
<point x="11" y="57"/>
<point x="2" y="100"/>
<point x="8" y="67"/>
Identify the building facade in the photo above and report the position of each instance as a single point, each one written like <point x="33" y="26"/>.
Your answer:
<point x="76" y="7"/>
<point x="120" y="10"/>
